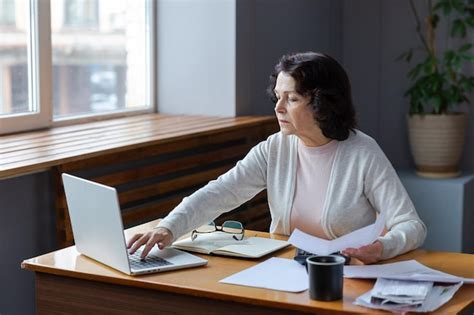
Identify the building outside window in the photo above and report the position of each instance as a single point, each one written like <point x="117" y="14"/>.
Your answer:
<point x="81" y="13"/>
<point x="7" y="12"/>
<point x="98" y="52"/>
<point x="14" y="37"/>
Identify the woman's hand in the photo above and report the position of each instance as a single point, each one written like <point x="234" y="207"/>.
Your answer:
<point x="368" y="254"/>
<point x="160" y="236"/>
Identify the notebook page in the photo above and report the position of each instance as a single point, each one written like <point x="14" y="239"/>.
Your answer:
<point x="252" y="247"/>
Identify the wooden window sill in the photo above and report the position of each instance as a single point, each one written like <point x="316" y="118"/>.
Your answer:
<point x="35" y="151"/>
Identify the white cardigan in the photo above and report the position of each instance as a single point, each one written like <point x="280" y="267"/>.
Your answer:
<point x="362" y="182"/>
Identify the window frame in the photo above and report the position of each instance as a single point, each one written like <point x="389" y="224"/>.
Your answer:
<point x="40" y="73"/>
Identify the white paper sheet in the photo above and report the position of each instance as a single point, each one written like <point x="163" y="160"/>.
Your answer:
<point x="275" y="274"/>
<point x="363" y="236"/>
<point x="403" y="270"/>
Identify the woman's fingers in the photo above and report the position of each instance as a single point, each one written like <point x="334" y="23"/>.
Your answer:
<point x="368" y="254"/>
<point x="160" y="236"/>
<point x="134" y="239"/>
<point x="155" y="238"/>
<point x="349" y="251"/>
<point x="141" y="240"/>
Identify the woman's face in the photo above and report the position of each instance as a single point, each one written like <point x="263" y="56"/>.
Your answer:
<point x="294" y="115"/>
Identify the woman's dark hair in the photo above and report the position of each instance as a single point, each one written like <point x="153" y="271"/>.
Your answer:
<point x="323" y="79"/>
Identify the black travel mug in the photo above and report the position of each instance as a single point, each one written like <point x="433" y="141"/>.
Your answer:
<point x="325" y="277"/>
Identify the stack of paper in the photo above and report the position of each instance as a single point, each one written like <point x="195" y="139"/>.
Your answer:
<point x="399" y="292"/>
<point x="407" y="296"/>
<point x="410" y="287"/>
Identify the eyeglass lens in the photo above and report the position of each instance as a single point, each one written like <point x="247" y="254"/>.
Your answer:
<point x="232" y="227"/>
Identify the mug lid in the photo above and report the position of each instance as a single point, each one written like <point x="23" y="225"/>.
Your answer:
<point x="335" y="260"/>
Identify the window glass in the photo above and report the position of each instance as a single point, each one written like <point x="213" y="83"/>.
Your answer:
<point x="80" y="13"/>
<point x="14" y="41"/>
<point x="99" y="53"/>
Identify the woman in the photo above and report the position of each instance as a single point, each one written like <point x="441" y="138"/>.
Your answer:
<point x="322" y="175"/>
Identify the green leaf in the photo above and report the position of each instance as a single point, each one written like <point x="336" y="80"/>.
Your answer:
<point x="465" y="86"/>
<point x="429" y="65"/>
<point x="438" y="6"/>
<point x="401" y="56"/>
<point x="467" y="57"/>
<point x="459" y="28"/>
<point x="447" y="8"/>
<point x="407" y="55"/>
<point x="465" y="48"/>
<point x="470" y="20"/>
<point x="448" y="56"/>
<point x="456" y="95"/>
<point x="413" y="74"/>
<point x="444" y="5"/>
<point x="437" y="103"/>
<point x="457" y="62"/>
<point x="458" y="6"/>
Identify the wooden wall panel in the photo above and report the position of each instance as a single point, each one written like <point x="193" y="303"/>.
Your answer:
<point x="152" y="180"/>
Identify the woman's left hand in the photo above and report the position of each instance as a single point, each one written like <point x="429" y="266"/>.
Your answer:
<point x="368" y="254"/>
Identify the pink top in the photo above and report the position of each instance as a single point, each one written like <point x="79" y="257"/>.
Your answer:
<point x="312" y="178"/>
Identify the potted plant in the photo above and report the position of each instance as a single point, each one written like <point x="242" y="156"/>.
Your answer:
<point x="439" y="86"/>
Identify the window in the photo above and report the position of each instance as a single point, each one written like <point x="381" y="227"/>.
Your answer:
<point x="63" y="61"/>
<point x="14" y="58"/>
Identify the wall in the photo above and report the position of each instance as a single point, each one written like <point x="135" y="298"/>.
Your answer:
<point x="196" y="57"/>
<point x="27" y="229"/>
<point x="276" y="33"/>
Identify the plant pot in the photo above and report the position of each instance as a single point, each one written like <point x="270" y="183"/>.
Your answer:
<point x="436" y="143"/>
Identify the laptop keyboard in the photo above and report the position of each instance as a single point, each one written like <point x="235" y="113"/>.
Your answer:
<point x="149" y="262"/>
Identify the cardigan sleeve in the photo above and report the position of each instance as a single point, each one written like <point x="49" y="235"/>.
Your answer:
<point x="386" y="193"/>
<point x="241" y="183"/>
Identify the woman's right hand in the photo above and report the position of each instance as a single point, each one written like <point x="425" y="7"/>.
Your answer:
<point x="160" y="236"/>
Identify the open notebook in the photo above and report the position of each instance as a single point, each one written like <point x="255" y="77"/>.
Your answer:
<point x="220" y="243"/>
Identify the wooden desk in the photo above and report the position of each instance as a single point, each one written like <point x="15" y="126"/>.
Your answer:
<point x="67" y="282"/>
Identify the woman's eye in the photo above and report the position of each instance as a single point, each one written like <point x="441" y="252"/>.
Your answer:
<point x="293" y="100"/>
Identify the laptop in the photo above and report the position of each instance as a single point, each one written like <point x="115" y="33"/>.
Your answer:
<point x="98" y="231"/>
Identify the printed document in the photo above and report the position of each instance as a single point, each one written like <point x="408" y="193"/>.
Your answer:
<point x="363" y="236"/>
<point x="400" y="292"/>
<point x="275" y="274"/>
<point x="403" y="270"/>
<point x="436" y="297"/>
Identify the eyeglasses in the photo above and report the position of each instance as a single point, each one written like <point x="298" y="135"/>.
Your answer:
<point x="232" y="227"/>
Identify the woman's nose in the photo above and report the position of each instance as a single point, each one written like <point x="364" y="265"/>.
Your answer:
<point x="279" y="106"/>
